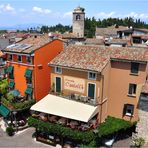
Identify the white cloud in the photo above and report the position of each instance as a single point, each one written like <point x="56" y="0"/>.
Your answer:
<point x="41" y="10"/>
<point x="138" y="15"/>
<point x="135" y="15"/>
<point x="67" y="14"/>
<point x="105" y="15"/>
<point x="6" y="8"/>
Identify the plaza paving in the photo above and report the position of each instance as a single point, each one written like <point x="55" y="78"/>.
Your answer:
<point x="21" y="139"/>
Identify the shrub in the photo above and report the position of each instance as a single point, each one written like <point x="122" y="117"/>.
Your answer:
<point x="113" y="125"/>
<point x="139" y="142"/>
<point x="3" y="86"/>
<point x="10" y="131"/>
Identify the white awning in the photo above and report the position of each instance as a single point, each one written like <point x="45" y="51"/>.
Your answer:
<point x="65" y="108"/>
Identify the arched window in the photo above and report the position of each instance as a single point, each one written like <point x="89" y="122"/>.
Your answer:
<point x="78" y="17"/>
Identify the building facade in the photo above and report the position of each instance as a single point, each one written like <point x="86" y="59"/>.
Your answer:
<point x="89" y="83"/>
<point x="27" y="68"/>
<point x="2" y="65"/>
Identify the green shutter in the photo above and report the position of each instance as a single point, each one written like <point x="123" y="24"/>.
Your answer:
<point x="4" y="111"/>
<point x="11" y="85"/>
<point x="91" y="90"/>
<point x="28" y="91"/>
<point x="28" y="73"/>
<point x="58" y="84"/>
<point x="9" y="69"/>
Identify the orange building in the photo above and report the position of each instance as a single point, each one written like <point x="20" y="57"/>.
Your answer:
<point x="91" y="82"/>
<point x="27" y="63"/>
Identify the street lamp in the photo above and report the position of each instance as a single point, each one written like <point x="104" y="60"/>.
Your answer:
<point x="14" y="113"/>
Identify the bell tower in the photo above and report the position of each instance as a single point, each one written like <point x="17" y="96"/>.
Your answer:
<point x="78" y="22"/>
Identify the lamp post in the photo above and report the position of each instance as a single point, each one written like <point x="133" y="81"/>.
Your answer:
<point x="14" y="113"/>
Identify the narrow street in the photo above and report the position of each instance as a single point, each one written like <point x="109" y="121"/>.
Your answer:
<point x="21" y="139"/>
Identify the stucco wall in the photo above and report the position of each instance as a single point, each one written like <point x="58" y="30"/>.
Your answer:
<point x="42" y="71"/>
<point x="119" y="85"/>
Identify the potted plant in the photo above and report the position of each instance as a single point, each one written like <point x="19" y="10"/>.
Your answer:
<point x="139" y="142"/>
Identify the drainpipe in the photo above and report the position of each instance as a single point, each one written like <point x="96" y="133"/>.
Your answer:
<point x="102" y="77"/>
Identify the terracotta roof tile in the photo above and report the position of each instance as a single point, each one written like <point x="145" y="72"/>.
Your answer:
<point x="109" y="31"/>
<point x="94" y="41"/>
<point x="35" y="42"/>
<point x="96" y="57"/>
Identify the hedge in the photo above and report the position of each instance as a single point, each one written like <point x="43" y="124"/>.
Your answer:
<point x="84" y="136"/>
<point x="110" y="126"/>
<point x="113" y="125"/>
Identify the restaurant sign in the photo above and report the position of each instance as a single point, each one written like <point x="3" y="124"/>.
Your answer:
<point x="74" y="84"/>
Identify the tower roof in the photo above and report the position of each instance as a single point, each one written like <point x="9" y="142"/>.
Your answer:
<point x="79" y="9"/>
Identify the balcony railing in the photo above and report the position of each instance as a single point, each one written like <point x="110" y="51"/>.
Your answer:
<point x="78" y="97"/>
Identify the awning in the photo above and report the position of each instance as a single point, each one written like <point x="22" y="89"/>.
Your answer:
<point x="10" y="69"/>
<point x="28" y="73"/>
<point x="65" y="108"/>
<point x="11" y="85"/>
<point x="28" y="91"/>
<point x="4" y="111"/>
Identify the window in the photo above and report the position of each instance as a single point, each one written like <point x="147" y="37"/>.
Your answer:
<point x="92" y="76"/>
<point x="91" y="90"/>
<point x="19" y="58"/>
<point x="28" y="81"/>
<point x="134" y="68"/>
<point x="58" y="70"/>
<point x="128" y="110"/>
<point x="58" y="84"/>
<point x="78" y="17"/>
<point x="132" y="89"/>
<point x="10" y="57"/>
<point x="29" y="60"/>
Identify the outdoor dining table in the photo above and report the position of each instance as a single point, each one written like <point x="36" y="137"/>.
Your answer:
<point x="53" y="118"/>
<point x="62" y="121"/>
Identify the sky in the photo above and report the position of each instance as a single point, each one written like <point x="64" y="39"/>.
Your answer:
<point x="51" y="12"/>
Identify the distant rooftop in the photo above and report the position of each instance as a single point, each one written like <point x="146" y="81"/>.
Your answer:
<point x="95" y="58"/>
<point x="109" y="31"/>
<point x="29" y="45"/>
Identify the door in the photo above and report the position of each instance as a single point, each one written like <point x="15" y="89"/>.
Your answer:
<point x="58" y="84"/>
<point x="91" y="90"/>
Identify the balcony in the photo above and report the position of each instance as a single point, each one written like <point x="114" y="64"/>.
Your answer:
<point x="78" y="98"/>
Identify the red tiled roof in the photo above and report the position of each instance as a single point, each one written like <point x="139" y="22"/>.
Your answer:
<point x="96" y="57"/>
<point x="109" y="31"/>
<point x="35" y="42"/>
<point x="94" y="41"/>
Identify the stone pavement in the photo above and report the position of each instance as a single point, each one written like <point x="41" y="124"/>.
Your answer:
<point x="142" y="125"/>
<point x="21" y="140"/>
